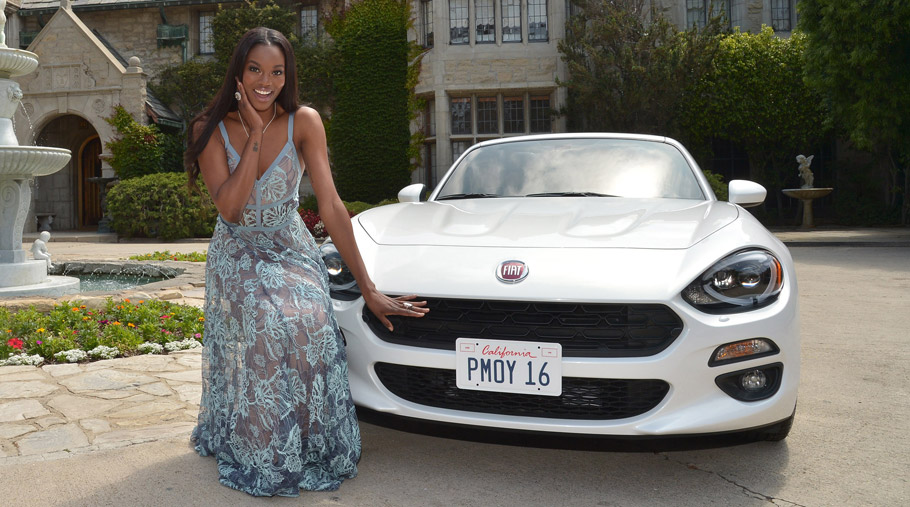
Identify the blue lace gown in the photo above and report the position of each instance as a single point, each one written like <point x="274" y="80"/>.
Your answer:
<point x="276" y="410"/>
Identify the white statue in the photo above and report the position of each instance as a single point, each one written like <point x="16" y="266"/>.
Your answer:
<point x="804" y="173"/>
<point x="3" y="23"/>
<point x="39" y="248"/>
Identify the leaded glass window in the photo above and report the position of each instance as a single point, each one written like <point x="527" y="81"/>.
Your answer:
<point x="780" y="15"/>
<point x="487" y="115"/>
<point x="540" y="114"/>
<point x="511" y="20"/>
<point x="461" y="115"/>
<point x="485" y="21"/>
<point x="513" y="115"/>
<point x="309" y="24"/>
<point x="206" y="43"/>
<point x="537" y="21"/>
<point x="427" y="17"/>
<point x="458" y="22"/>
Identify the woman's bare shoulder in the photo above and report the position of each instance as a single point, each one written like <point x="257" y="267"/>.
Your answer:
<point x="306" y="114"/>
<point x="307" y="122"/>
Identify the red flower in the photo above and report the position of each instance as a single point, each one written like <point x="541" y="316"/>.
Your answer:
<point x="15" y="343"/>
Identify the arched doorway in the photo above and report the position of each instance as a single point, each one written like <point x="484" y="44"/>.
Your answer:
<point x="88" y="193"/>
<point x="73" y="201"/>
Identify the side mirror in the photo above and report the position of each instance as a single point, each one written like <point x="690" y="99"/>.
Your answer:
<point x="746" y="193"/>
<point x="411" y="193"/>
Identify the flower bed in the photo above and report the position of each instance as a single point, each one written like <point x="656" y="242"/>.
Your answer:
<point x="72" y="332"/>
<point x="168" y="256"/>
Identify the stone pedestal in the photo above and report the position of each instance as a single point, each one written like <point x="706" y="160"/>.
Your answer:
<point x="806" y="196"/>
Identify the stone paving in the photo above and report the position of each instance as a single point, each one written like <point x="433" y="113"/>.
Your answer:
<point x="56" y="410"/>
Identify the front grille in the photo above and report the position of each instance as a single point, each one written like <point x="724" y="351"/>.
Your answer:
<point x="581" y="398"/>
<point x="583" y="329"/>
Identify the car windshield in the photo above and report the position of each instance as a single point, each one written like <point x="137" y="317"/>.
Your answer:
<point x="573" y="168"/>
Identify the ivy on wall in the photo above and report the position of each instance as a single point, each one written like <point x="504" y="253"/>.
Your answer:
<point x="369" y="133"/>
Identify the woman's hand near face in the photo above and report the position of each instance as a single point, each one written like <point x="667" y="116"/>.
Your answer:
<point x="247" y="112"/>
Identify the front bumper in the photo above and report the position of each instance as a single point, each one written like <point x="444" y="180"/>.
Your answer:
<point x="693" y="403"/>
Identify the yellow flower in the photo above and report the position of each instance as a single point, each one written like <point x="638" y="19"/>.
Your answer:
<point x="116" y="323"/>
<point x="86" y="318"/>
<point x="83" y="306"/>
<point x="201" y="319"/>
<point x="40" y="329"/>
<point x="130" y="324"/>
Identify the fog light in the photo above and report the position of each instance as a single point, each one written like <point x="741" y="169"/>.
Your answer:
<point x="743" y="351"/>
<point x="755" y="380"/>
<point x="752" y="384"/>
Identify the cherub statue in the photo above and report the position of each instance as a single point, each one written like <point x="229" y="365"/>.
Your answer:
<point x="804" y="173"/>
<point x="3" y="23"/>
<point x="39" y="248"/>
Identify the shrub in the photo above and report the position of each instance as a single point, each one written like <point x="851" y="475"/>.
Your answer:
<point x="136" y="151"/>
<point x="717" y="185"/>
<point x="162" y="206"/>
<point x="357" y="207"/>
<point x="172" y="149"/>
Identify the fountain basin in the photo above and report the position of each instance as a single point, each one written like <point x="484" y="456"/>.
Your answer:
<point x="28" y="161"/>
<point x="22" y="273"/>
<point x="16" y="62"/>
<point x="806" y="195"/>
<point x="51" y="286"/>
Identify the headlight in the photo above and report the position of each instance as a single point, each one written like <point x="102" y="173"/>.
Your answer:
<point x="741" y="282"/>
<point x="340" y="277"/>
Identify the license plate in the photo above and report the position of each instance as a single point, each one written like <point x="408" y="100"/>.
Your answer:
<point x="509" y="366"/>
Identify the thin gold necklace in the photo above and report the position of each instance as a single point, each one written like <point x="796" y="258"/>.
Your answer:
<point x="274" y="113"/>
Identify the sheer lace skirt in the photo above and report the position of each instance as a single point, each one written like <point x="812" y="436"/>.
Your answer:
<point x="276" y="410"/>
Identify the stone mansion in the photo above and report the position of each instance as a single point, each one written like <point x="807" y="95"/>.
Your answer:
<point x="490" y="71"/>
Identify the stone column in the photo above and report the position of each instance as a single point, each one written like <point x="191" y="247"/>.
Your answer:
<point x="134" y="93"/>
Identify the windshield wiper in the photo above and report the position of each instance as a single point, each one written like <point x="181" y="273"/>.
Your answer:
<point x="569" y="194"/>
<point x="466" y="196"/>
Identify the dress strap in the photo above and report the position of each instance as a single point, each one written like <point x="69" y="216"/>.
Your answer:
<point x="227" y="140"/>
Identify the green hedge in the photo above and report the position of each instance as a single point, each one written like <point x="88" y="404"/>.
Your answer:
<point x="161" y="206"/>
<point x="369" y="134"/>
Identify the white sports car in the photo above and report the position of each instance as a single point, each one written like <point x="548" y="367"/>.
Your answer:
<point x="577" y="283"/>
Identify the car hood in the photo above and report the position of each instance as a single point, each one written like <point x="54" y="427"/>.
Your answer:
<point x="555" y="222"/>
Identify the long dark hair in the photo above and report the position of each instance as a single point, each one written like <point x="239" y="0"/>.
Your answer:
<point x="224" y="101"/>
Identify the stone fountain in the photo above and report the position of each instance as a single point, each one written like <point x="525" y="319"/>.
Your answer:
<point x="20" y="276"/>
<point x="806" y="192"/>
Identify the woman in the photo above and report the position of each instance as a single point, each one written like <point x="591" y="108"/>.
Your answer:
<point x="276" y="410"/>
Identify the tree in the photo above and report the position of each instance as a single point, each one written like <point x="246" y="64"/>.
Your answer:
<point x="857" y="56"/>
<point x="754" y="96"/>
<point x="190" y="86"/>
<point x="369" y="133"/>
<point x="229" y="25"/>
<point x="628" y="67"/>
